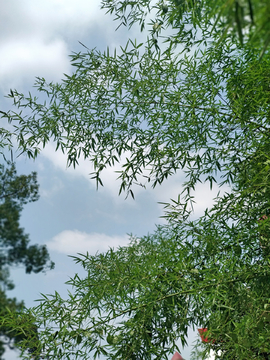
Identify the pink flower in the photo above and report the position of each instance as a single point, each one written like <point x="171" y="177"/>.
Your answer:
<point x="177" y="356"/>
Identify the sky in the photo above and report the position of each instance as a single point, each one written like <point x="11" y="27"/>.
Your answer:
<point x="71" y="216"/>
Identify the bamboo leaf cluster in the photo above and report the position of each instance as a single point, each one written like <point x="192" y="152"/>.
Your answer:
<point x="194" y="96"/>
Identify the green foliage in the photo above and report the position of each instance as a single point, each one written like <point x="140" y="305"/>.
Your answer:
<point x="137" y="301"/>
<point x="199" y="103"/>
<point x="244" y="21"/>
<point x="249" y="91"/>
<point x="15" y="192"/>
<point x="138" y="106"/>
<point x="11" y="336"/>
<point x="12" y="305"/>
<point x="138" y="102"/>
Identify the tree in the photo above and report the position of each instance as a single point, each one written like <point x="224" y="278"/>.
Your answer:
<point x="199" y="103"/>
<point x="245" y="21"/>
<point x="137" y="301"/>
<point x="14" y="243"/>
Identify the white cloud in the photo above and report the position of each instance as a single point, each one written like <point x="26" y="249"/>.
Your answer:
<point x="38" y="35"/>
<point x="74" y="241"/>
<point x="204" y="196"/>
<point x="47" y="18"/>
<point x="22" y="61"/>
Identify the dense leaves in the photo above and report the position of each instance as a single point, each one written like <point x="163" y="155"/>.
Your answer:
<point x="11" y="336"/>
<point x="138" y="301"/>
<point x="245" y="21"/>
<point x="15" y="191"/>
<point x="200" y="103"/>
<point x="155" y="113"/>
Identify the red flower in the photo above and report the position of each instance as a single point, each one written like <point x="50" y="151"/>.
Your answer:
<point x="203" y="336"/>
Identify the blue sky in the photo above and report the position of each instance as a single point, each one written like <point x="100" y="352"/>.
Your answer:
<point x="71" y="216"/>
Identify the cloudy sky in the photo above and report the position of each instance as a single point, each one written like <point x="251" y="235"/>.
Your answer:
<point x="70" y="216"/>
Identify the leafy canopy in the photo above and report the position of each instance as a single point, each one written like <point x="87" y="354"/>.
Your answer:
<point x="16" y="191"/>
<point x="138" y="301"/>
<point x="199" y="103"/>
<point x="136" y="105"/>
<point x="156" y="112"/>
